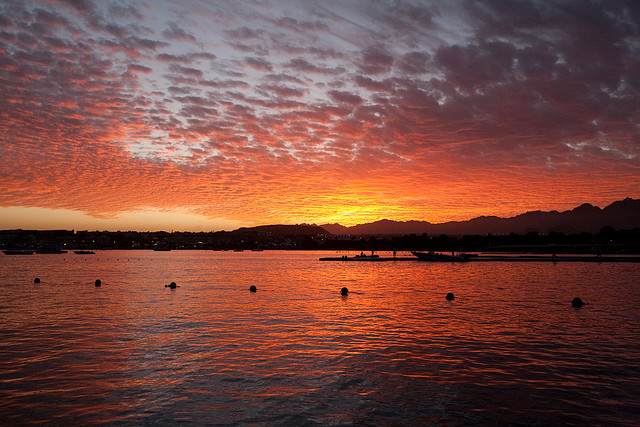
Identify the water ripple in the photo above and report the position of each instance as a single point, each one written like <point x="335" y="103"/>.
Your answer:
<point x="509" y="350"/>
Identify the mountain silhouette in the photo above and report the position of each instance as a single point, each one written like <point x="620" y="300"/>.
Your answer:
<point x="620" y="215"/>
<point x="283" y="230"/>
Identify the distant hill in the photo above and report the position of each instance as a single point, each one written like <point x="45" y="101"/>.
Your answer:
<point x="621" y="215"/>
<point x="284" y="230"/>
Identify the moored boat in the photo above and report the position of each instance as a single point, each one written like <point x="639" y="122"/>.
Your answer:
<point x="361" y="257"/>
<point x="439" y="257"/>
<point x="50" y="249"/>
<point x="364" y="257"/>
<point x="18" y="252"/>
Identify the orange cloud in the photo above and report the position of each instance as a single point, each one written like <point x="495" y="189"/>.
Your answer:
<point x="288" y="116"/>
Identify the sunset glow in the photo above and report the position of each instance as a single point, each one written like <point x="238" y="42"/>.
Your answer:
<point x="209" y="115"/>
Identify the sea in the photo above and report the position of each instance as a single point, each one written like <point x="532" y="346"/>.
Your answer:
<point x="508" y="350"/>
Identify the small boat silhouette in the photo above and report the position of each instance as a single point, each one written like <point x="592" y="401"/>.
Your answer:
<point x="50" y="249"/>
<point x="18" y="252"/>
<point x="439" y="257"/>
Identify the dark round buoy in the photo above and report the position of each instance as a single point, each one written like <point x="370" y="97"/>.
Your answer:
<point x="36" y="280"/>
<point x="577" y="303"/>
<point x="344" y="291"/>
<point x="252" y="288"/>
<point x="171" y="285"/>
<point x="450" y="296"/>
<point x="98" y="283"/>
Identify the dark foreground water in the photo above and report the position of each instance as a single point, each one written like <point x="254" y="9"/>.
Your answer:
<point x="509" y="350"/>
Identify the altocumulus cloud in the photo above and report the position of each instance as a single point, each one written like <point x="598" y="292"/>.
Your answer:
<point x="341" y="112"/>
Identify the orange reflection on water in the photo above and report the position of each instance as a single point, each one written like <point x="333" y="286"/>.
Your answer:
<point x="296" y="350"/>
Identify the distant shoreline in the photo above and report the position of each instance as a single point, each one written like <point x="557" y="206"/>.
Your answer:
<point x="306" y="237"/>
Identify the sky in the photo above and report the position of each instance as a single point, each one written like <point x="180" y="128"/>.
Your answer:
<point x="206" y="115"/>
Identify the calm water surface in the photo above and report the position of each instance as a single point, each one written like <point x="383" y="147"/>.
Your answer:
<point x="508" y="350"/>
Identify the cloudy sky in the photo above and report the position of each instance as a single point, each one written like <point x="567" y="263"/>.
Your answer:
<point x="209" y="115"/>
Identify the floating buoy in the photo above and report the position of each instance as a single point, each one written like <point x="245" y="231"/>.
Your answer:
<point x="36" y="280"/>
<point x="252" y="288"/>
<point x="171" y="285"/>
<point x="98" y="283"/>
<point x="450" y="296"/>
<point x="577" y="303"/>
<point x="344" y="291"/>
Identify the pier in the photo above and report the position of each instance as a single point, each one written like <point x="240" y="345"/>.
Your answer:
<point x="556" y="258"/>
<point x="501" y="258"/>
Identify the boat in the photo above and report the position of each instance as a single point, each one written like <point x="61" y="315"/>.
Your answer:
<point x="84" y="252"/>
<point x="361" y="257"/>
<point x="439" y="257"/>
<point x="18" y="252"/>
<point x="50" y="249"/>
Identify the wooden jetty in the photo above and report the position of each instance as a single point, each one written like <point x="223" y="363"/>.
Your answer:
<point x="555" y="258"/>
<point x="499" y="258"/>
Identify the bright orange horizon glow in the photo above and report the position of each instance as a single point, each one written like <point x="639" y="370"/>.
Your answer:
<point x="141" y="118"/>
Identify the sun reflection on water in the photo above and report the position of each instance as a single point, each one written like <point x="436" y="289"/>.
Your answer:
<point x="508" y="349"/>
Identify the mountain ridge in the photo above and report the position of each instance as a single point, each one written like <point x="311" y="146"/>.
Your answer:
<point x="621" y="214"/>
